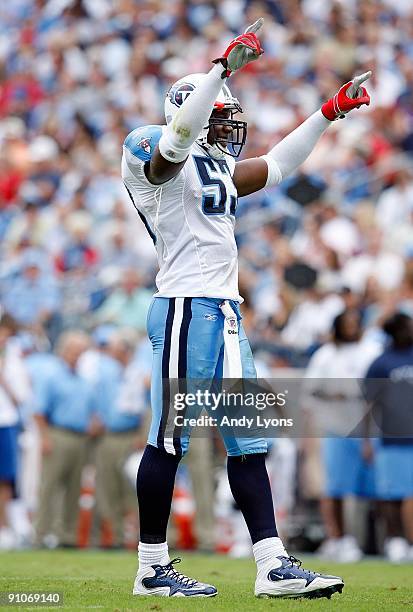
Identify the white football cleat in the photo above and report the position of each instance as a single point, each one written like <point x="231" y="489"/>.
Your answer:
<point x="284" y="577"/>
<point x="165" y="581"/>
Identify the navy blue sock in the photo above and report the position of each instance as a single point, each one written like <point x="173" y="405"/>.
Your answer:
<point x="251" y="489"/>
<point x="154" y="486"/>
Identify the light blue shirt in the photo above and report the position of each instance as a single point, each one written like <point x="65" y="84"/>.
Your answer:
<point x="25" y="299"/>
<point x="64" y="398"/>
<point x="40" y="367"/>
<point x="108" y="384"/>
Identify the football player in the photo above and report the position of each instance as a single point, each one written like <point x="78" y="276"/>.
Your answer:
<point x="184" y="180"/>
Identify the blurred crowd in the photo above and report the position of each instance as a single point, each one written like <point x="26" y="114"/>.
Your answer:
<point x="77" y="75"/>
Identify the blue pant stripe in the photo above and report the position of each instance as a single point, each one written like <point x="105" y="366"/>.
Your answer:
<point x="165" y="372"/>
<point x="183" y="338"/>
<point x="182" y="364"/>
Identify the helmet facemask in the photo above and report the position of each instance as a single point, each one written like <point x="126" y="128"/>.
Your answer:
<point x="234" y="142"/>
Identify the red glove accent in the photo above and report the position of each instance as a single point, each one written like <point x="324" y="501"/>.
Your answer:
<point x="341" y="104"/>
<point x="249" y="40"/>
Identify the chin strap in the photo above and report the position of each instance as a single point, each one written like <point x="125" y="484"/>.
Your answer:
<point x="212" y="150"/>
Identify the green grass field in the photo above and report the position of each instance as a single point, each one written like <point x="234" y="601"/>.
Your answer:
<point x="103" y="581"/>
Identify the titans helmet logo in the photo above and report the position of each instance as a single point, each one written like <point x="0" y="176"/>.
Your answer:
<point x="177" y="95"/>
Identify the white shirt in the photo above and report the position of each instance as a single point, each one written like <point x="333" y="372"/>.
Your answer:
<point x="386" y="268"/>
<point x="332" y="392"/>
<point x="15" y="374"/>
<point x="311" y="320"/>
<point x="191" y="219"/>
<point x="394" y="207"/>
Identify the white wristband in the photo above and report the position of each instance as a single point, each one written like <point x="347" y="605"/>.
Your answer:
<point x="169" y="149"/>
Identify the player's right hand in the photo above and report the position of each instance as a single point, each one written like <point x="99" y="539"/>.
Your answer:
<point x="242" y="50"/>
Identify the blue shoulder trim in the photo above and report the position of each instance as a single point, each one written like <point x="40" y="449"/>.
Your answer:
<point x="142" y="141"/>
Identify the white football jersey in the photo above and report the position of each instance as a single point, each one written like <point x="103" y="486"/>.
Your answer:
<point x="190" y="218"/>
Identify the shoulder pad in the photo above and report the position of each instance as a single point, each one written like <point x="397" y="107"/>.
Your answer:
<point x="142" y="141"/>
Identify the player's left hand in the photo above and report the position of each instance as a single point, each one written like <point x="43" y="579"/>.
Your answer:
<point x="351" y="95"/>
<point x="242" y="50"/>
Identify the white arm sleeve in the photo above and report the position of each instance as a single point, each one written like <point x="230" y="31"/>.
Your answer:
<point x="294" y="149"/>
<point x="181" y="133"/>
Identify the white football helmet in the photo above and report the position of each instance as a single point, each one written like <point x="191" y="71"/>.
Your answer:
<point x="177" y="95"/>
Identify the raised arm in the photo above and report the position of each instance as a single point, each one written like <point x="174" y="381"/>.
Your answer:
<point x="268" y="170"/>
<point x="180" y="134"/>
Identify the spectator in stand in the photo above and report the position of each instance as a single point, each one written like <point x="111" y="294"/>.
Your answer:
<point x="128" y="305"/>
<point x="78" y="252"/>
<point x="116" y="250"/>
<point x="65" y="412"/>
<point x="395" y="205"/>
<point x="45" y="174"/>
<point x="77" y="265"/>
<point x="32" y="296"/>
<point x="12" y="163"/>
<point x="31" y="223"/>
